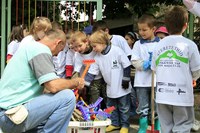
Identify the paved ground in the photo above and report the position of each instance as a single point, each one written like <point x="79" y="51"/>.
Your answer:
<point x="133" y="127"/>
<point x="134" y="120"/>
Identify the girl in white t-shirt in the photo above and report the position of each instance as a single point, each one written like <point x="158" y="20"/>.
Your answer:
<point x="15" y="39"/>
<point x="37" y="30"/>
<point x="131" y="38"/>
<point x="114" y="66"/>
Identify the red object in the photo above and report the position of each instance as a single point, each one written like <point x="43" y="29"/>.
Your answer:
<point x="152" y="130"/>
<point x="87" y="63"/>
<point x="162" y="29"/>
<point x="110" y="109"/>
<point x="69" y="70"/>
<point x="9" y="56"/>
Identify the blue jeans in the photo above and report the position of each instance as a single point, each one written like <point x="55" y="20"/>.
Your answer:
<point x="120" y="116"/>
<point x="48" y="113"/>
<point x="133" y="98"/>
<point x="144" y="102"/>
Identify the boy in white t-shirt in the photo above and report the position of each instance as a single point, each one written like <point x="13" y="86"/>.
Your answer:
<point x="85" y="52"/>
<point x="176" y="61"/>
<point x="114" y="66"/>
<point x="141" y="60"/>
<point x="116" y="40"/>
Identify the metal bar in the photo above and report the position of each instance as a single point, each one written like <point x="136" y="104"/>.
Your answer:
<point x="17" y="7"/>
<point x="99" y="10"/>
<point x="71" y="0"/>
<point x="29" y="14"/>
<point x="79" y="15"/>
<point x="3" y="35"/>
<point x="23" y="12"/>
<point x="191" y="26"/>
<point x="54" y="10"/>
<point x="41" y="8"/>
<point x="9" y="10"/>
<point x="35" y="8"/>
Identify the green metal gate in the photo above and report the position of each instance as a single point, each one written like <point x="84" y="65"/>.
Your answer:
<point x="6" y="24"/>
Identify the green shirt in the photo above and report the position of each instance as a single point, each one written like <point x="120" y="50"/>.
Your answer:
<point x="25" y="74"/>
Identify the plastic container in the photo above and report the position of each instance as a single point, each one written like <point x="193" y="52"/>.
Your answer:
<point x="88" y="127"/>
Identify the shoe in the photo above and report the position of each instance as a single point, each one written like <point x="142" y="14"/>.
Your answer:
<point x="123" y="130"/>
<point x="111" y="128"/>
<point x="196" y="125"/>
<point x="143" y="123"/>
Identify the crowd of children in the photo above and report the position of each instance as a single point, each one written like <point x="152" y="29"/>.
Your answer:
<point x="122" y="71"/>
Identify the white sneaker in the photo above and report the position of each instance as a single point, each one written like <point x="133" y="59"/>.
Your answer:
<point x="196" y="125"/>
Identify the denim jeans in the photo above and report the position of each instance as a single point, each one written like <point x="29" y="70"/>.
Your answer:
<point x="144" y="102"/>
<point x="48" y="113"/>
<point x="134" y="100"/>
<point x="120" y="116"/>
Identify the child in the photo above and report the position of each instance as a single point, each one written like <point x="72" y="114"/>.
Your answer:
<point x="176" y="61"/>
<point x="15" y="39"/>
<point x="59" y="61"/>
<point x="84" y="52"/>
<point x="25" y="30"/>
<point x="116" y="40"/>
<point x="131" y="38"/>
<point x="70" y="57"/>
<point x="114" y="65"/>
<point x="37" y="31"/>
<point x="161" y="32"/>
<point x="141" y="60"/>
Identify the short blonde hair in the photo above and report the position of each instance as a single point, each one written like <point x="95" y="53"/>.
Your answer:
<point x="99" y="37"/>
<point x="40" y="24"/>
<point x="78" y="36"/>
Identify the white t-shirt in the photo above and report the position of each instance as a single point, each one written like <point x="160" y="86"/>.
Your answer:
<point x="59" y="62"/>
<point x="79" y="66"/>
<point x="174" y="59"/>
<point x="12" y="47"/>
<point x="70" y="58"/>
<point x="111" y="67"/>
<point x="26" y="40"/>
<point x="121" y="42"/>
<point x="141" y="52"/>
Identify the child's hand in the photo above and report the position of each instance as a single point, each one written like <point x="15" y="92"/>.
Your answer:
<point x="146" y="65"/>
<point x="194" y="83"/>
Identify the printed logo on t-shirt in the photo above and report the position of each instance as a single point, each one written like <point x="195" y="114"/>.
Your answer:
<point x="180" y="91"/>
<point x="170" y="56"/>
<point x="115" y="64"/>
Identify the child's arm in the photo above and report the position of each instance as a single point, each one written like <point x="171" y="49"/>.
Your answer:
<point x="89" y="78"/>
<point x="196" y="75"/>
<point x="126" y="77"/>
<point x="143" y="65"/>
<point x="8" y="57"/>
<point x="69" y="70"/>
